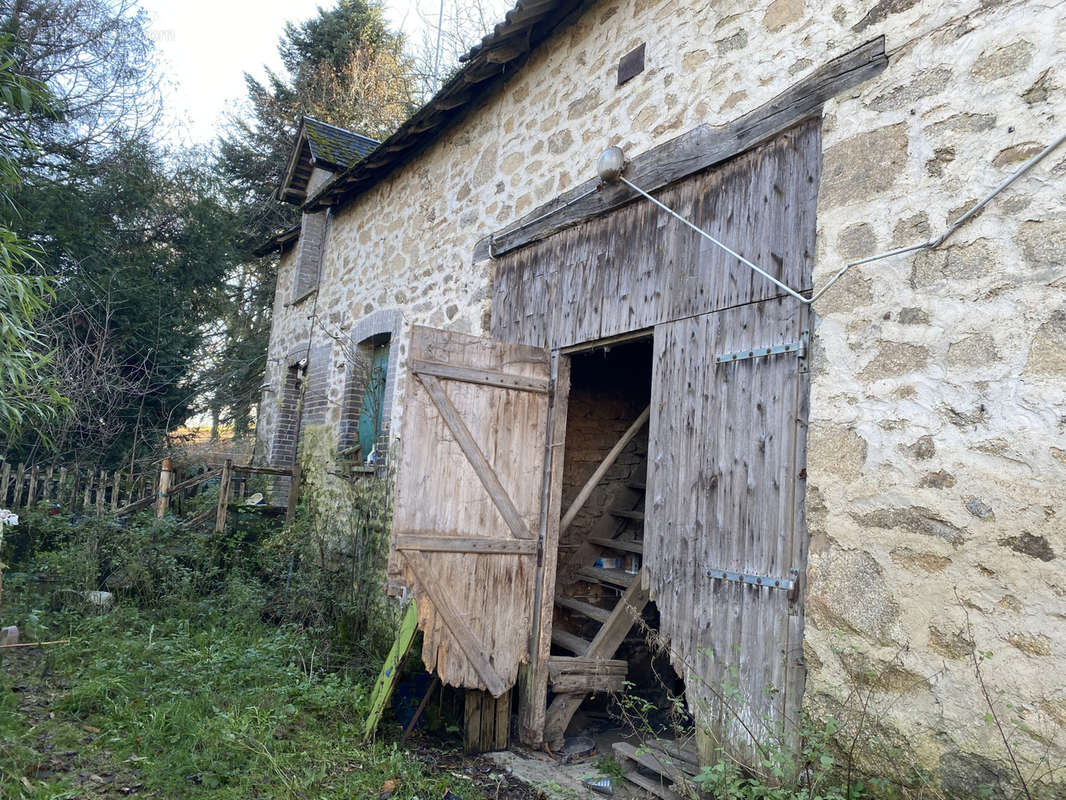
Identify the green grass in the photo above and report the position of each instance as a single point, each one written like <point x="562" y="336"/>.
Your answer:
<point x="212" y="704"/>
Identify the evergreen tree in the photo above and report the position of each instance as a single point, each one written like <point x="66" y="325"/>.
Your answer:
<point x="342" y="67"/>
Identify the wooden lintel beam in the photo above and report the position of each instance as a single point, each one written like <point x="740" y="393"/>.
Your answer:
<point x="601" y="470"/>
<point x="696" y="150"/>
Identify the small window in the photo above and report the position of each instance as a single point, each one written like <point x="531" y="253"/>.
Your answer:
<point x="365" y="413"/>
<point x="372" y="407"/>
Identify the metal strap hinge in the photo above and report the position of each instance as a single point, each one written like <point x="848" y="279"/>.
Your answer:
<point x="757" y="580"/>
<point x="799" y="347"/>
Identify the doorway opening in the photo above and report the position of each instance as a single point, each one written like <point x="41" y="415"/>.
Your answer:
<point x="601" y="611"/>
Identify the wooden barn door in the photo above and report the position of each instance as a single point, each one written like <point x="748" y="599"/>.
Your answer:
<point x="468" y="501"/>
<point x="725" y="545"/>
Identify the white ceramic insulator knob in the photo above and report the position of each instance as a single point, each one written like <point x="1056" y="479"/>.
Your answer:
<point x="610" y="164"/>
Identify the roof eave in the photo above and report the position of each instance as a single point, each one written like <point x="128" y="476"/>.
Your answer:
<point x="497" y="57"/>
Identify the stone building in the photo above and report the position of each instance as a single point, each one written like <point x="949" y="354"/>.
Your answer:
<point x="925" y="484"/>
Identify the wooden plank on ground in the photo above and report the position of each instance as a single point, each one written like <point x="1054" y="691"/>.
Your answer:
<point x="390" y="670"/>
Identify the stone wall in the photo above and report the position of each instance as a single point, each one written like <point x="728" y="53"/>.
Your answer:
<point x="936" y="486"/>
<point x="937" y="460"/>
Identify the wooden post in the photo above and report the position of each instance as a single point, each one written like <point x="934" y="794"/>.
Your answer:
<point x="87" y="491"/>
<point x="61" y="487"/>
<point x="75" y="487"/>
<point x="5" y="479"/>
<point x="101" y="487"/>
<point x="162" y="496"/>
<point x="20" y="475"/>
<point x="487" y="721"/>
<point x="46" y="492"/>
<point x="31" y="490"/>
<point x="294" y="492"/>
<point x="115" y="483"/>
<point x="223" y="496"/>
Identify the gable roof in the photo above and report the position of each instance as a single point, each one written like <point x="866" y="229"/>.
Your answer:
<point x="319" y="144"/>
<point x="498" y="56"/>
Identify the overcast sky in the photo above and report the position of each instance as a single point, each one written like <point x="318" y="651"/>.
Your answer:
<point x="206" y="46"/>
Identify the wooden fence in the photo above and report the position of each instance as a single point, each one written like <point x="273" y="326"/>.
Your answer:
<point x="91" y="490"/>
<point x="75" y="487"/>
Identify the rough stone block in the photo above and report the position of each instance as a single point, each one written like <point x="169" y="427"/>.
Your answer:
<point x="863" y="166"/>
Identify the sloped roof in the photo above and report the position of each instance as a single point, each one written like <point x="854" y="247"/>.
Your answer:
<point x="319" y="144"/>
<point x="333" y="146"/>
<point x="499" y="55"/>
<point x="278" y="242"/>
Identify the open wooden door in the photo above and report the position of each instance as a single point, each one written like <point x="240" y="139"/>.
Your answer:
<point x="468" y="501"/>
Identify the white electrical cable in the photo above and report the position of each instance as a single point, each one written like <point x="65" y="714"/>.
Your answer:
<point x="545" y="215"/>
<point x="932" y="243"/>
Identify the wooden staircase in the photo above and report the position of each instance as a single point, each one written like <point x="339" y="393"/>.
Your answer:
<point x="658" y="766"/>
<point x="614" y="623"/>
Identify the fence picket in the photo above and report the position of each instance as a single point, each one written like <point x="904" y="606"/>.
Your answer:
<point x="20" y="474"/>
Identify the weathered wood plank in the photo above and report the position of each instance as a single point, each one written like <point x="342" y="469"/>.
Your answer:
<point x="472" y="648"/>
<point x="5" y="479"/>
<point x="581" y="607"/>
<point x="608" y="577"/>
<point x="250" y="470"/>
<point x="223" y="496"/>
<point x="628" y="545"/>
<point x="575" y="665"/>
<point x="761" y="203"/>
<point x="489" y="479"/>
<point x="569" y="641"/>
<point x="20" y="477"/>
<point x="533" y="689"/>
<point x="587" y="683"/>
<point x="694" y="151"/>
<point x="195" y="480"/>
<point x="464" y="544"/>
<point x="487" y="377"/>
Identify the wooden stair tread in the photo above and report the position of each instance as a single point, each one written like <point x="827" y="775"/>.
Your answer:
<point x="608" y="577"/>
<point x="637" y="515"/>
<point x="651" y="785"/>
<point x="686" y="753"/>
<point x="638" y="485"/>
<point x="655" y="760"/>
<point x="569" y="641"/>
<point x="561" y="665"/>
<point x="629" y="545"/>
<point x="581" y="607"/>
